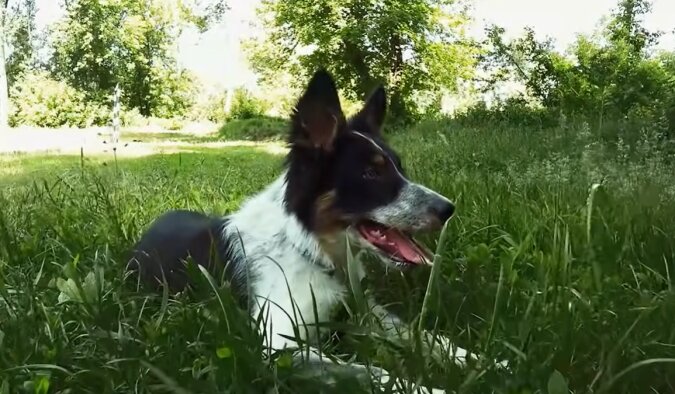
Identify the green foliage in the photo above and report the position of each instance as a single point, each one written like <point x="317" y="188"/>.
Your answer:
<point x="253" y="129"/>
<point x="40" y="100"/>
<point x="130" y="42"/>
<point x="172" y="124"/>
<point x="174" y="95"/>
<point x="608" y="77"/>
<point x="246" y="106"/>
<point x="415" y="47"/>
<point x="132" y="117"/>
<point x="19" y="37"/>
<point x="211" y="108"/>
<point x="513" y="111"/>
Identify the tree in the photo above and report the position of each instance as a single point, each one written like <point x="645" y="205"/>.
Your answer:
<point x="610" y="73"/>
<point x="102" y="43"/>
<point x="414" y="46"/>
<point x="21" y="33"/>
<point x="626" y="27"/>
<point x="524" y="59"/>
<point x="4" y="92"/>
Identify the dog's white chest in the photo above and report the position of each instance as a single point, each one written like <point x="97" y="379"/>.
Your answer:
<point x="292" y="284"/>
<point x="297" y="294"/>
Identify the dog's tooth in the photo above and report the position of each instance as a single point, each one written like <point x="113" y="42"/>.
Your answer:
<point x="379" y="235"/>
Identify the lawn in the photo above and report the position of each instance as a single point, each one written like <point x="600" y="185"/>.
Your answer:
<point x="559" y="260"/>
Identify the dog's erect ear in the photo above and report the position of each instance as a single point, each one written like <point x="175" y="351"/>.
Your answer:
<point x="373" y="112"/>
<point x="318" y="115"/>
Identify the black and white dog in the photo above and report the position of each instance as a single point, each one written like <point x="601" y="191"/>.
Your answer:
<point x="280" y="251"/>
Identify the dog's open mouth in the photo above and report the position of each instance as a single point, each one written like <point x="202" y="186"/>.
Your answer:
<point x="395" y="244"/>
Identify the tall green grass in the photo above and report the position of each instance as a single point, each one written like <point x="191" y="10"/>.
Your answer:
<point x="559" y="260"/>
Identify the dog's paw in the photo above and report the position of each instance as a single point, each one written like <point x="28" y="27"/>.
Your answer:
<point x="423" y="390"/>
<point x="444" y="348"/>
<point x="504" y="364"/>
<point x="384" y="378"/>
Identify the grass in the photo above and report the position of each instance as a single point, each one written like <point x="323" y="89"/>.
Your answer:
<point x="574" y="288"/>
<point x="255" y="129"/>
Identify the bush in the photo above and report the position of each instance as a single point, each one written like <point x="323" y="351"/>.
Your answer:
<point x="132" y="117"/>
<point x="514" y="111"/>
<point x="172" y="96"/>
<point x="40" y="100"/>
<point x="246" y="106"/>
<point x="210" y="108"/>
<point x="173" y="124"/>
<point x="254" y="129"/>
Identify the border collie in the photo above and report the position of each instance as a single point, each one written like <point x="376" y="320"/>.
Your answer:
<point x="280" y="251"/>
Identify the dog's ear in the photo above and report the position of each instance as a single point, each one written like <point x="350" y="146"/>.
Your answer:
<point x="318" y="116"/>
<point x="373" y="112"/>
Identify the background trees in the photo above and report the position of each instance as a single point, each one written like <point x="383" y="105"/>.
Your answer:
<point x="130" y="42"/>
<point x="416" y="47"/>
<point x="97" y="45"/>
<point x="613" y="75"/>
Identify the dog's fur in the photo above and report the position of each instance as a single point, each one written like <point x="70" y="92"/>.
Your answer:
<point x="281" y="250"/>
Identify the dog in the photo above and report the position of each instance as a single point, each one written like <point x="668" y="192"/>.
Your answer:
<point x="281" y="251"/>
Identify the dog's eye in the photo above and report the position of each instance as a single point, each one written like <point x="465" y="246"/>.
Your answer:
<point x="370" y="173"/>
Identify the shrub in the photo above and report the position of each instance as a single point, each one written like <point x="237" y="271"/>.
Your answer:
<point x="210" y="108"/>
<point x="246" y="106"/>
<point x="173" y="124"/>
<point x="253" y="129"/>
<point x="514" y="111"/>
<point x="132" y="117"/>
<point x="40" y="100"/>
<point x="173" y="95"/>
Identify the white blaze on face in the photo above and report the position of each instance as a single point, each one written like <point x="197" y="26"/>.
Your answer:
<point x="411" y="210"/>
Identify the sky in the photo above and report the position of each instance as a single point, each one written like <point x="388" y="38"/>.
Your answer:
<point x="216" y="55"/>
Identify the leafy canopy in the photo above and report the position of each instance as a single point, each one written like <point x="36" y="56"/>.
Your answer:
<point x="610" y="75"/>
<point x="20" y="38"/>
<point x="131" y="42"/>
<point x="416" y="47"/>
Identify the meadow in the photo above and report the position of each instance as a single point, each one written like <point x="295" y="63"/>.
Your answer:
<point x="560" y="260"/>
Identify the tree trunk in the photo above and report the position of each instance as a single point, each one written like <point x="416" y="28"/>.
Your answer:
<point x="396" y="67"/>
<point x="227" y="105"/>
<point x="397" y="106"/>
<point x="356" y="57"/>
<point x="4" y="93"/>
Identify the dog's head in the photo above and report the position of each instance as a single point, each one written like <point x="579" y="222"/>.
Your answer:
<point x="342" y="176"/>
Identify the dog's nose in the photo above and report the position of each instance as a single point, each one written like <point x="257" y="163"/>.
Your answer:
<point x="443" y="210"/>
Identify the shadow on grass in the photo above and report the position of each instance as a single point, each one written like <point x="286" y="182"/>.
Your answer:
<point x="140" y="136"/>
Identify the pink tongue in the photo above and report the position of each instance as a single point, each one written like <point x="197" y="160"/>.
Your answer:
<point x="404" y="247"/>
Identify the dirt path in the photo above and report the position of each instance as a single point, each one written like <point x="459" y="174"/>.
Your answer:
<point x="93" y="141"/>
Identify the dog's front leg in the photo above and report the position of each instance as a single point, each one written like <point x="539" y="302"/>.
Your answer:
<point x="437" y="344"/>
<point x="377" y="376"/>
<point x="280" y="336"/>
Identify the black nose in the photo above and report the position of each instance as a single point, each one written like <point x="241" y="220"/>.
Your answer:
<point x="443" y="210"/>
